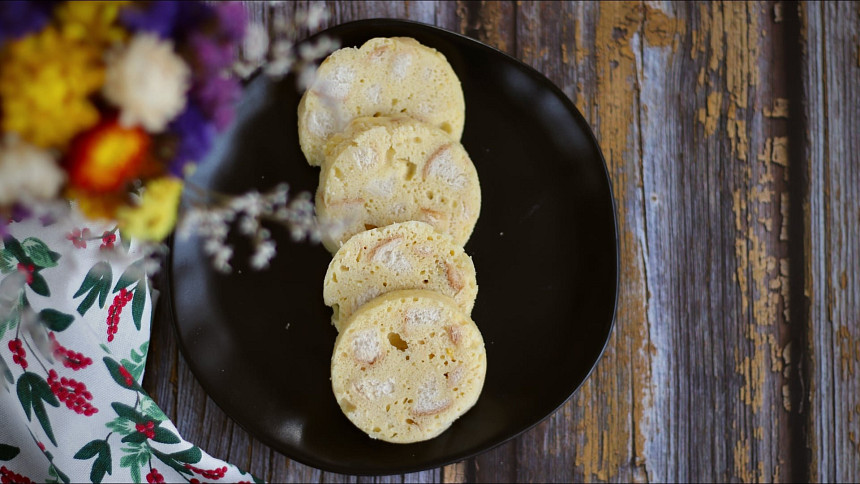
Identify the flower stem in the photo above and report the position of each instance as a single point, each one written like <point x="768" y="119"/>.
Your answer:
<point x="34" y="354"/>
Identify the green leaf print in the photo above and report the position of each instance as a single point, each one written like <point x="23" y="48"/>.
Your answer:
<point x="7" y="261"/>
<point x="53" y="471"/>
<point x="149" y="408"/>
<point x="129" y="413"/>
<point x="39" y="252"/>
<point x="53" y="477"/>
<point x="172" y="461"/>
<point x="8" y="452"/>
<point x="122" y="375"/>
<point x="34" y="392"/>
<point x="101" y="466"/>
<point x="138" y="362"/>
<point x="164" y="436"/>
<point x="39" y="285"/>
<point x="96" y="284"/>
<point x="90" y="450"/>
<point x="137" y="304"/>
<point x="191" y="455"/>
<point x="56" y="320"/>
<point x="137" y="455"/>
<point x="14" y="248"/>
<point x="121" y="426"/>
<point x="134" y="274"/>
<point x="134" y="438"/>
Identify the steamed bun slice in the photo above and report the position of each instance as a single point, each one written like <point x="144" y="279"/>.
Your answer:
<point x="385" y="76"/>
<point x="385" y="170"/>
<point x="406" y="365"/>
<point x="407" y="255"/>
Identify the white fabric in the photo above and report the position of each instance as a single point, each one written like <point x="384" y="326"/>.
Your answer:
<point x="77" y="453"/>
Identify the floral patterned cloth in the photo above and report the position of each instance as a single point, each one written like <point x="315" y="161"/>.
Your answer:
<point x="75" y="315"/>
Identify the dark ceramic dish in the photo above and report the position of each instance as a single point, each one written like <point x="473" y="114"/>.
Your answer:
<point x="545" y="250"/>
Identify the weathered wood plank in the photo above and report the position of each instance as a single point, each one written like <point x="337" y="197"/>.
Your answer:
<point x="831" y="77"/>
<point x="736" y="293"/>
<point x="702" y="377"/>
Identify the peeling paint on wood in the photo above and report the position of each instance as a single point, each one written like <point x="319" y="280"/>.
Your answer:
<point x="700" y="381"/>
<point x="779" y="109"/>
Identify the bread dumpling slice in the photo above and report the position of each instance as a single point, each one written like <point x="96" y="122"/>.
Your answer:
<point x="407" y="365"/>
<point x="407" y="255"/>
<point x="385" y="76"/>
<point x="386" y="170"/>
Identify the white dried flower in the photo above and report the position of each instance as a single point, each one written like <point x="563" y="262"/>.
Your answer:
<point x="248" y="225"/>
<point x="148" y="81"/>
<point x="11" y="288"/>
<point x="256" y="43"/>
<point x="316" y="15"/>
<point x="221" y="259"/>
<point x="5" y="375"/>
<point x="32" y="325"/>
<point x="27" y="173"/>
<point x="263" y="254"/>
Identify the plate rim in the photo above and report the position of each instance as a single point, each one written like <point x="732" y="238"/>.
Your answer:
<point x="168" y="278"/>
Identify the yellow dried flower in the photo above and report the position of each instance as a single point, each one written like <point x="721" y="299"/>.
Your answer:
<point x="93" y="22"/>
<point x="45" y="82"/>
<point x="155" y="216"/>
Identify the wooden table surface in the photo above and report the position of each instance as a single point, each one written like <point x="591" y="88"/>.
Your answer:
<point x="731" y="132"/>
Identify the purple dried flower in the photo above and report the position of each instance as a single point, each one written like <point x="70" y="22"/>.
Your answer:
<point x="195" y="134"/>
<point x="190" y="17"/>
<point x="232" y="18"/>
<point x="20" y="212"/>
<point x="212" y="56"/>
<point x="17" y="213"/>
<point x="156" y="17"/>
<point x="217" y="96"/>
<point x="19" y="18"/>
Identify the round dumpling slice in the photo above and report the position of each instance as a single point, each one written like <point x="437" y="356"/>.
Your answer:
<point x="385" y="76"/>
<point x="386" y="170"/>
<point x="408" y="255"/>
<point x="407" y="365"/>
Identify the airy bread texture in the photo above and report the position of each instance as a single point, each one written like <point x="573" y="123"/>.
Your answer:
<point x="408" y="255"/>
<point x="406" y="365"/>
<point x="385" y="170"/>
<point x="385" y="76"/>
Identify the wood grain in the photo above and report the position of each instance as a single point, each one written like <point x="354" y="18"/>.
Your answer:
<point x="731" y="132"/>
<point x="832" y="110"/>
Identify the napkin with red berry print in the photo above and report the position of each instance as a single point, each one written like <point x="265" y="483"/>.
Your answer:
<point x="75" y="315"/>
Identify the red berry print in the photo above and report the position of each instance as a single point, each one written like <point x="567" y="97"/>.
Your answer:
<point x="213" y="475"/>
<point x="27" y="270"/>
<point x="115" y="309"/>
<point x="147" y="429"/>
<point x="129" y="381"/>
<point x="108" y="240"/>
<point x="9" y="477"/>
<point x="41" y="446"/>
<point x="73" y="393"/>
<point x="154" y="477"/>
<point x="19" y="354"/>
<point x="69" y="358"/>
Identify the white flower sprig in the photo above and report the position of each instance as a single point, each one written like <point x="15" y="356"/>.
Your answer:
<point x="248" y="211"/>
<point x="279" y="53"/>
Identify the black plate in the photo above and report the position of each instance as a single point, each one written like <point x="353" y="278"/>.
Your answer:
<point x="545" y="250"/>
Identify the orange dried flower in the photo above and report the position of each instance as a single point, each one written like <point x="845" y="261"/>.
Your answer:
<point x="107" y="157"/>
